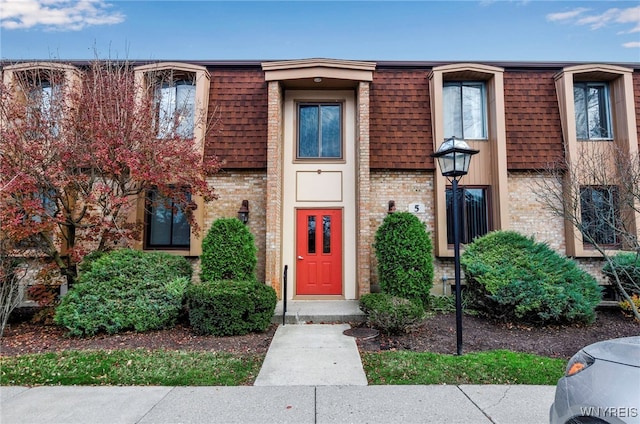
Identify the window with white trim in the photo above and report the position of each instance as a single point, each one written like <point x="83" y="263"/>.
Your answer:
<point x="593" y="111"/>
<point x="464" y="109"/>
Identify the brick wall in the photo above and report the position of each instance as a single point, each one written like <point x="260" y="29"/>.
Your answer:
<point x="528" y="216"/>
<point x="273" y="189"/>
<point x="232" y="188"/>
<point x="363" y="190"/>
<point x="403" y="187"/>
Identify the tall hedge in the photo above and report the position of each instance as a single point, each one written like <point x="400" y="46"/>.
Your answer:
<point x="405" y="259"/>
<point x="228" y="252"/>
<point x="513" y="278"/>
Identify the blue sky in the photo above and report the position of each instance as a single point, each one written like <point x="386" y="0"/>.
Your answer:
<point x="488" y="30"/>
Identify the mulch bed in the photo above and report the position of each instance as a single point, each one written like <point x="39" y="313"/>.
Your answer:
<point x="438" y="334"/>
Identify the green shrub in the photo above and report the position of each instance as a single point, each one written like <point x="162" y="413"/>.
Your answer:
<point x="512" y="278"/>
<point x="228" y="252"/>
<point x="88" y="260"/>
<point x="442" y="304"/>
<point x="391" y="314"/>
<point x="404" y="252"/>
<point x="228" y="308"/>
<point x="627" y="266"/>
<point x="126" y="290"/>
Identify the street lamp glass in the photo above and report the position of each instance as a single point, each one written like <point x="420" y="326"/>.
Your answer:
<point x="454" y="156"/>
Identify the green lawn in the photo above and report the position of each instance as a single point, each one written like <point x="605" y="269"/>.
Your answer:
<point x="494" y="367"/>
<point x="130" y="367"/>
<point x="178" y="368"/>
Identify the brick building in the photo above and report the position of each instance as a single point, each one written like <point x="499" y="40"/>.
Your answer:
<point x="319" y="148"/>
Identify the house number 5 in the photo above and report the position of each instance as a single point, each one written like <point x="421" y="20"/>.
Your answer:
<point x="416" y="208"/>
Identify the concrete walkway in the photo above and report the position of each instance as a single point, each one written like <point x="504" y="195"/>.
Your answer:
<point x="312" y="355"/>
<point x="280" y="404"/>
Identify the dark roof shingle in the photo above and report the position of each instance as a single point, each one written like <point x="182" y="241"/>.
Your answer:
<point x="240" y="97"/>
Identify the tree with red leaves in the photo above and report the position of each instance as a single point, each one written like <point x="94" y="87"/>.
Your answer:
<point x="77" y="157"/>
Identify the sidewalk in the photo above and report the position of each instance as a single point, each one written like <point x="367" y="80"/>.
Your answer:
<point x="277" y="404"/>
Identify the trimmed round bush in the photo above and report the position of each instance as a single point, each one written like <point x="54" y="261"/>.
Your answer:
<point x="126" y="290"/>
<point x="627" y="266"/>
<point x="511" y="277"/>
<point x="228" y="252"/>
<point x="230" y="308"/>
<point x="404" y="252"/>
<point x="391" y="314"/>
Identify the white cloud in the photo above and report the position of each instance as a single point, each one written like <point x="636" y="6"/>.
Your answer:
<point x="631" y="16"/>
<point x="62" y="15"/>
<point x="563" y="16"/>
<point x="614" y="16"/>
<point x="599" y="21"/>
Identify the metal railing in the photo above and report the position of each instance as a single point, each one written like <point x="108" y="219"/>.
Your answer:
<point x="284" y="294"/>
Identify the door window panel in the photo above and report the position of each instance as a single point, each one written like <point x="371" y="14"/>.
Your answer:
<point x="326" y="234"/>
<point x="311" y="238"/>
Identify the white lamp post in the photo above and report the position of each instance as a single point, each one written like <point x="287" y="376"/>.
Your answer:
<point x="454" y="156"/>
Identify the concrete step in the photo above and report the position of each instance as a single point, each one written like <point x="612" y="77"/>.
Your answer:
<point x="319" y="311"/>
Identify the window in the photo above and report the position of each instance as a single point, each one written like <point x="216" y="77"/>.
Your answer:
<point x="167" y="225"/>
<point x="464" y="110"/>
<point x="176" y="103"/>
<point x="473" y="211"/>
<point x="593" y="115"/>
<point x="319" y="130"/>
<point x="46" y="204"/>
<point x="43" y="98"/>
<point x="600" y="214"/>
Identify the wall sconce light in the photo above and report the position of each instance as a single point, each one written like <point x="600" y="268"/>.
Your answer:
<point x="243" y="212"/>
<point x="392" y="206"/>
<point x="317" y="80"/>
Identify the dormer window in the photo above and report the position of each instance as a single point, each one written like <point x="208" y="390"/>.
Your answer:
<point x="593" y="114"/>
<point x="464" y="110"/>
<point x="44" y="97"/>
<point x="176" y="107"/>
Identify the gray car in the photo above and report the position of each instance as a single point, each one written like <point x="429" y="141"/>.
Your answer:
<point x="601" y="385"/>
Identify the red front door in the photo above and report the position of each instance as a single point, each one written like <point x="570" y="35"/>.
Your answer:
<point x="319" y="251"/>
